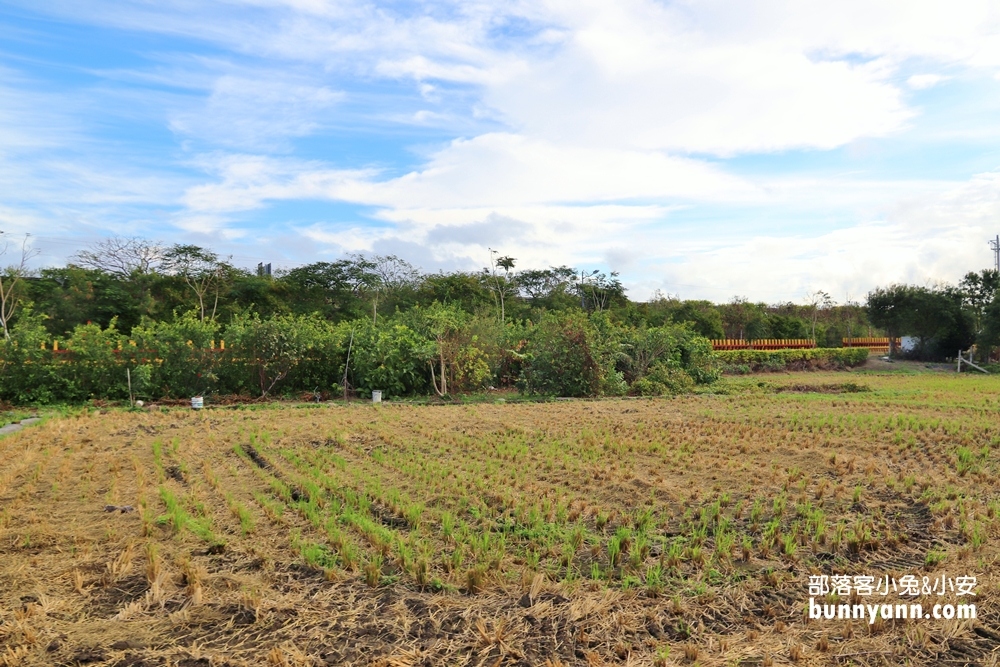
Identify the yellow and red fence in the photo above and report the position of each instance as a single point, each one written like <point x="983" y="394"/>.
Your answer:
<point x="763" y="344"/>
<point x="873" y="344"/>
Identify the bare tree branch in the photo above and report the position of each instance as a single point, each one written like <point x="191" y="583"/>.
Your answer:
<point x="122" y="256"/>
<point x="10" y="282"/>
<point x="393" y="273"/>
<point x="818" y="300"/>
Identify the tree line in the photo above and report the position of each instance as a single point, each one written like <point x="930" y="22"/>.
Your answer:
<point x="377" y="322"/>
<point x="131" y="279"/>
<point x="942" y="319"/>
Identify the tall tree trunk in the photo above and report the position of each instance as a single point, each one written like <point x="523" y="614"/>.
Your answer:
<point x="444" y="374"/>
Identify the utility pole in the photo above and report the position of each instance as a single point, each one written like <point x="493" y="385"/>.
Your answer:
<point x="995" y="246"/>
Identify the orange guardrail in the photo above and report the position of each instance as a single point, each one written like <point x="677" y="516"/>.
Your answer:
<point x="876" y="344"/>
<point x="763" y="344"/>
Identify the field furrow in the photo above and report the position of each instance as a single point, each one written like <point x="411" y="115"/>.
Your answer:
<point x="663" y="531"/>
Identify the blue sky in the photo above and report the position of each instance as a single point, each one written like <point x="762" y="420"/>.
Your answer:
<point x="704" y="149"/>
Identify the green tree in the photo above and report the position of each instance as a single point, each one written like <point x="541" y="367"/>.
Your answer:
<point x="940" y="323"/>
<point x="444" y="325"/>
<point x="500" y="284"/>
<point x="703" y="316"/>
<point x="202" y="271"/>
<point x="73" y="295"/>
<point x="333" y="289"/>
<point x="989" y="336"/>
<point x="388" y="278"/>
<point x="890" y="309"/>
<point x="934" y="316"/>
<point x="598" y="290"/>
<point x="470" y="291"/>
<point x="547" y="289"/>
<point x="784" y="326"/>
<point x="274" y="347"/>
<point x="743" y="320"/>
<point x="978" y="290"/>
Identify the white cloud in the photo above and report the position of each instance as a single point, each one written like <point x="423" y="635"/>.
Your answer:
<point x="923" y="239"/>
<point x="640" y="75"/>
<point x="245" y="112"/>
<point x="924" y="81"/>
<point x="493" y="170"/>
<point x="705" y="77"/>
<point x="919" y="232"/>
<point x="538" y="236"/>
<point x="248" y="182"/>
<point x="30" y="119"/>
<point x="501" y="169"/>
<point x="702" y="77"/>
<point x="928" y="238"/>
<point x="581" y="128"/>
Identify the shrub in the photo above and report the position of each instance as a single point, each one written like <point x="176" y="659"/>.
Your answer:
<point x="29" y="373"/>
<point x="566" y="354"/>
<point x="179" y="353"/>
<point x="662" y="380"/>
<point x="560" y="359"/>
<point x="290" y="352"/>
<point x="459" y="347"/>
<point x="142" y="381"/>
<point x="389" y="356"/>
<point x="95" y="367"/>
<point x="675" y="347"/>
<point x="739" y="361"/>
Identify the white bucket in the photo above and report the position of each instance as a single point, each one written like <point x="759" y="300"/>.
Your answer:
<point x="376" y="396"/>
<point x="197" y="402"/>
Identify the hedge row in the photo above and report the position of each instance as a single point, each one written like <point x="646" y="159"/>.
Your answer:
<point x="177" y="359"/>
<point x="439" y="349"/>
<point x="818" y="358"/>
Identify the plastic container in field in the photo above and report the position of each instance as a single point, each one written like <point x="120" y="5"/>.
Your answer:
<point x="376" y="396"/>
<point x="197" y="402"/>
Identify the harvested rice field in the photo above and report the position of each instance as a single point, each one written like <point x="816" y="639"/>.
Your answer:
<point x="694" y="530"/>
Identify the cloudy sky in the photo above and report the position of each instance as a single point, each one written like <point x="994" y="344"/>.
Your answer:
<point x="705" y="149"/>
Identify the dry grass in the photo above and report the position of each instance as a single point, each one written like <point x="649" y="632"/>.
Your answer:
<point x="576" y="533"/>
